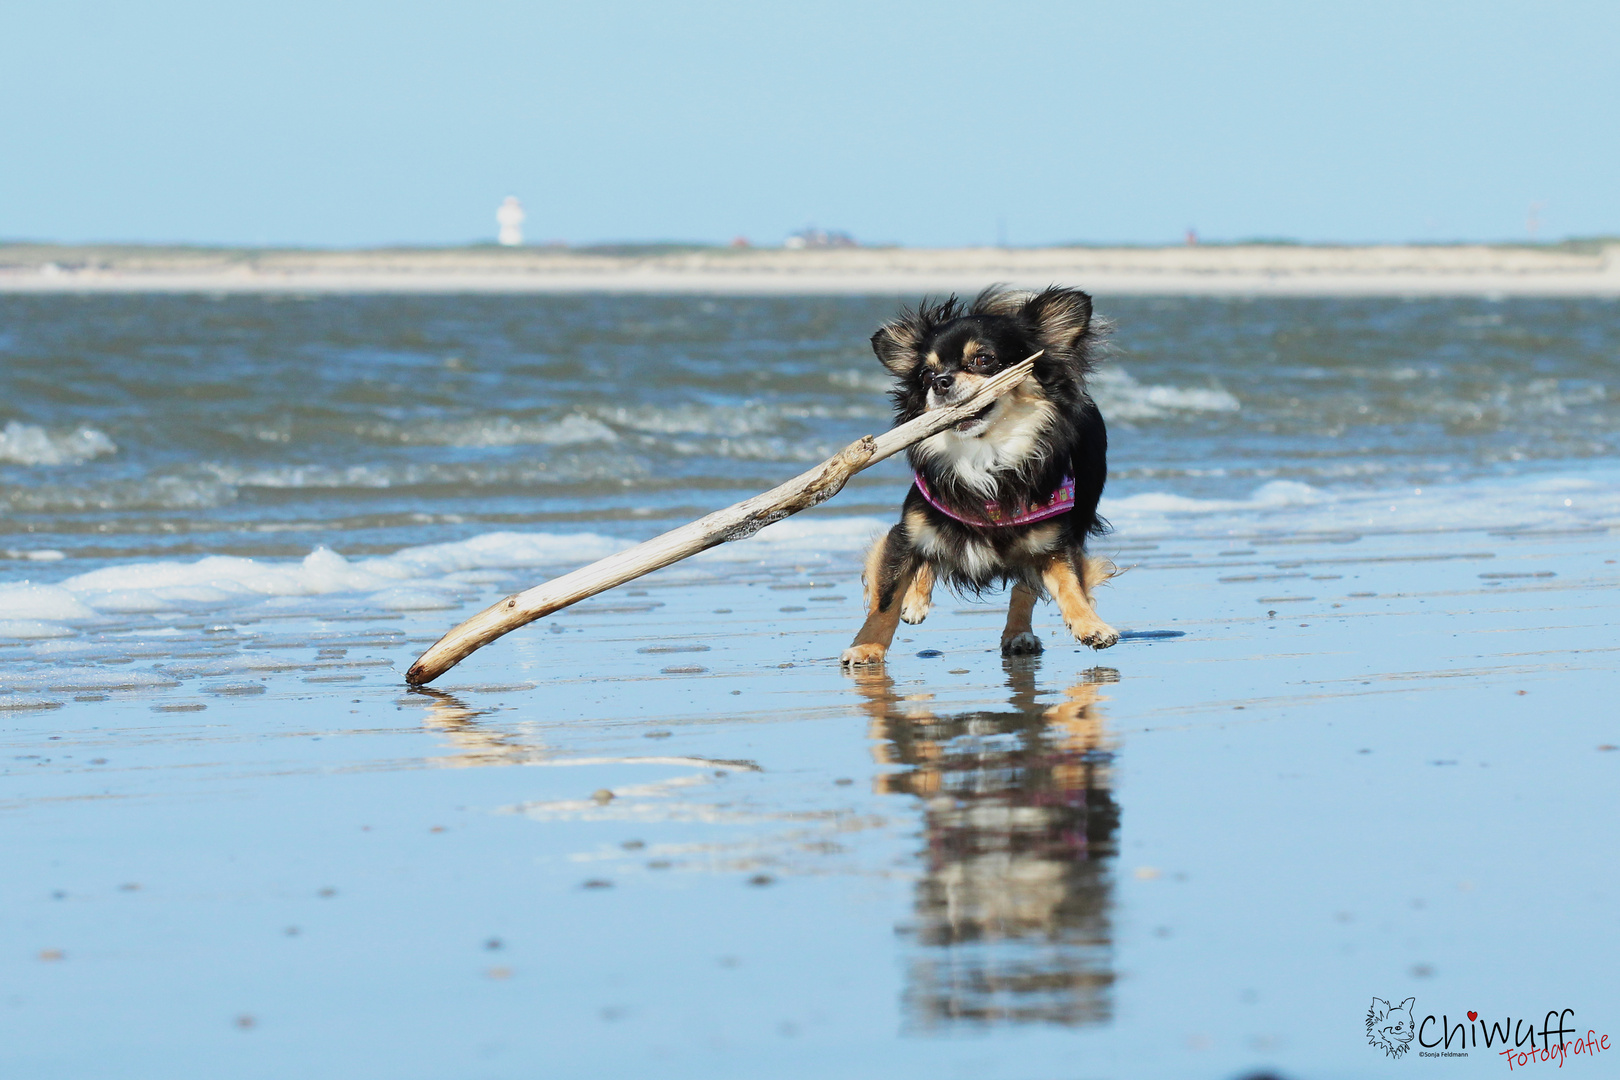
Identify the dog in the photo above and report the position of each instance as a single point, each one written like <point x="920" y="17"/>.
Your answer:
<point x="1008" y="495"/>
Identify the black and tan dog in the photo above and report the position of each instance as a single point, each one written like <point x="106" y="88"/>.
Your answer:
<point x="1006" y="496"/>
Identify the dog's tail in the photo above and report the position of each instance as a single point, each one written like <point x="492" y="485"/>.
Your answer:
<point x="1099" y="570"/>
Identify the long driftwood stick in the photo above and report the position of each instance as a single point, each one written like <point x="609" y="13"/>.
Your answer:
<point x="733" y="523"/>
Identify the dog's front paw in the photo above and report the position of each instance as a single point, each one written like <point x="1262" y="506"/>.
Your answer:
<point x="914" y="611"/>
<point x="1100" y="636"/>
<point x="1024" y="644"/>
<point x="863" y="654"/>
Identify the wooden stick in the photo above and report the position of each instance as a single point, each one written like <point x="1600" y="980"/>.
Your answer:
<point x="733" y="523"/>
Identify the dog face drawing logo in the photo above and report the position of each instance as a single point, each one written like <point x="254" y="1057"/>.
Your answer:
<point x="1390" y="1027"/>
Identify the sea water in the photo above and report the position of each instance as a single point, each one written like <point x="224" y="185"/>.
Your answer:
<point x="165" y="456"/>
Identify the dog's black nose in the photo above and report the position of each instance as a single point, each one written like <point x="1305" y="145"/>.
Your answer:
<point x="943" y="383"/>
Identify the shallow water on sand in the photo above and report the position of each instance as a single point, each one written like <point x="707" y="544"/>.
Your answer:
<point x="1360" y="747"/>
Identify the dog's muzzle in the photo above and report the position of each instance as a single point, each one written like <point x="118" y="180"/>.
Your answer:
<point x="945" y="391"/>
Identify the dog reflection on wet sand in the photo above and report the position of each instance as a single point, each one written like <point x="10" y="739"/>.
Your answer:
<point x="1012" y="916"/>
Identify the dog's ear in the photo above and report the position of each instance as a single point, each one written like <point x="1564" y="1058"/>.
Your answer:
<point x="1406" y="1006"/>
<point x="896" y="344"/>
<point x="1381" y="1007"/>
<point x="1060" y="317"/>
<point x="899" y="343"/>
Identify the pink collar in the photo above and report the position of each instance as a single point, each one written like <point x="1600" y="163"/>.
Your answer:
<point x="1060" y="501"/>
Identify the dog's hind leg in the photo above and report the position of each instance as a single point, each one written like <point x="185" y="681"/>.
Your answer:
<point x="1072" y="591"/>
<point x="1018" y="639"/>
<point x="890" y="567"/>
<point x="919" y="597"/>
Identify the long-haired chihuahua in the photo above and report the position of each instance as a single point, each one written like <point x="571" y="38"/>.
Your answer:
<point x="1008" y="495"/>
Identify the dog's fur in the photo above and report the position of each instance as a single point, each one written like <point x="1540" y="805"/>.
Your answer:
<point x="1015" y="452"/>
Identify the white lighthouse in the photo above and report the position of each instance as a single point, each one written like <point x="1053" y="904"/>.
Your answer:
<point x="510" y="218"/>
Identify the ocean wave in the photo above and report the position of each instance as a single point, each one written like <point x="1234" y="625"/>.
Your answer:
<point x="222" y="580"/>
<point x="612" y="469"/>
<point x="862" y="379"/>
<point x="1118" y="393"/>
<point x="1553" y="500"/>
<point x="570" y="430"/>
<point x="756" y="449"/>
<point x="430" y="577"/>
<point x="152" y="493"/>
<point x="731" y="421"/>
<point x="29" y="444"/>
<point x="1121" y="397"/>
<point x="449" y="575"/>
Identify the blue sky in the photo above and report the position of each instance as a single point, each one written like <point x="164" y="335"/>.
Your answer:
<point x="924" y="124"/>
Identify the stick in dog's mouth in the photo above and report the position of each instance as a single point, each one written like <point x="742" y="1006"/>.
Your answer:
<point x="977" y="420"/>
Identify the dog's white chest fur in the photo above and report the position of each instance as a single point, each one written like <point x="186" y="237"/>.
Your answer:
<point x="1014" y="432"/>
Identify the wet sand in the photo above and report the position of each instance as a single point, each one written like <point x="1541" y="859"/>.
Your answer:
<point x="662" y="833"/>
<point x="1262" y="270"/>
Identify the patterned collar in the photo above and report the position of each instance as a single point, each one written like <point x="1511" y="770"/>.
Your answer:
<point x="1060" y="501"/>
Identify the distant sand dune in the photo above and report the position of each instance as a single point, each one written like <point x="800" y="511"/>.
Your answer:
<point x="1283" y="270"/>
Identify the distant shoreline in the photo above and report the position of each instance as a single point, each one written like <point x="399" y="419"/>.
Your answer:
<point x="1236" y="270"/>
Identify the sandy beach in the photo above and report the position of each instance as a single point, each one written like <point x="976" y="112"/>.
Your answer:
<point x="1365" y="757"/>
<point x="1217" y="270"/>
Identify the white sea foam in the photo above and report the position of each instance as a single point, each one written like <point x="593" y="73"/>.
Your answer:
<point x="156" y="493"/>
<point x="444" y="576"/>
<point x="570" y="430"/>
<point x="1543" y="501"/>
<point x="29" y="444"/>
<point x="431" y="577"/>
<point x="228" y="478"/>
<point x="34" y="554"/>
<point x="24" y="703"/>
<point x="27" y="601"/>
<point x="1121" y="397"/>
<point x="31" y="630"/>
<point x="732" y="421"/>
<point x="71" y="680"/>
<point x="395" y="582"/>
